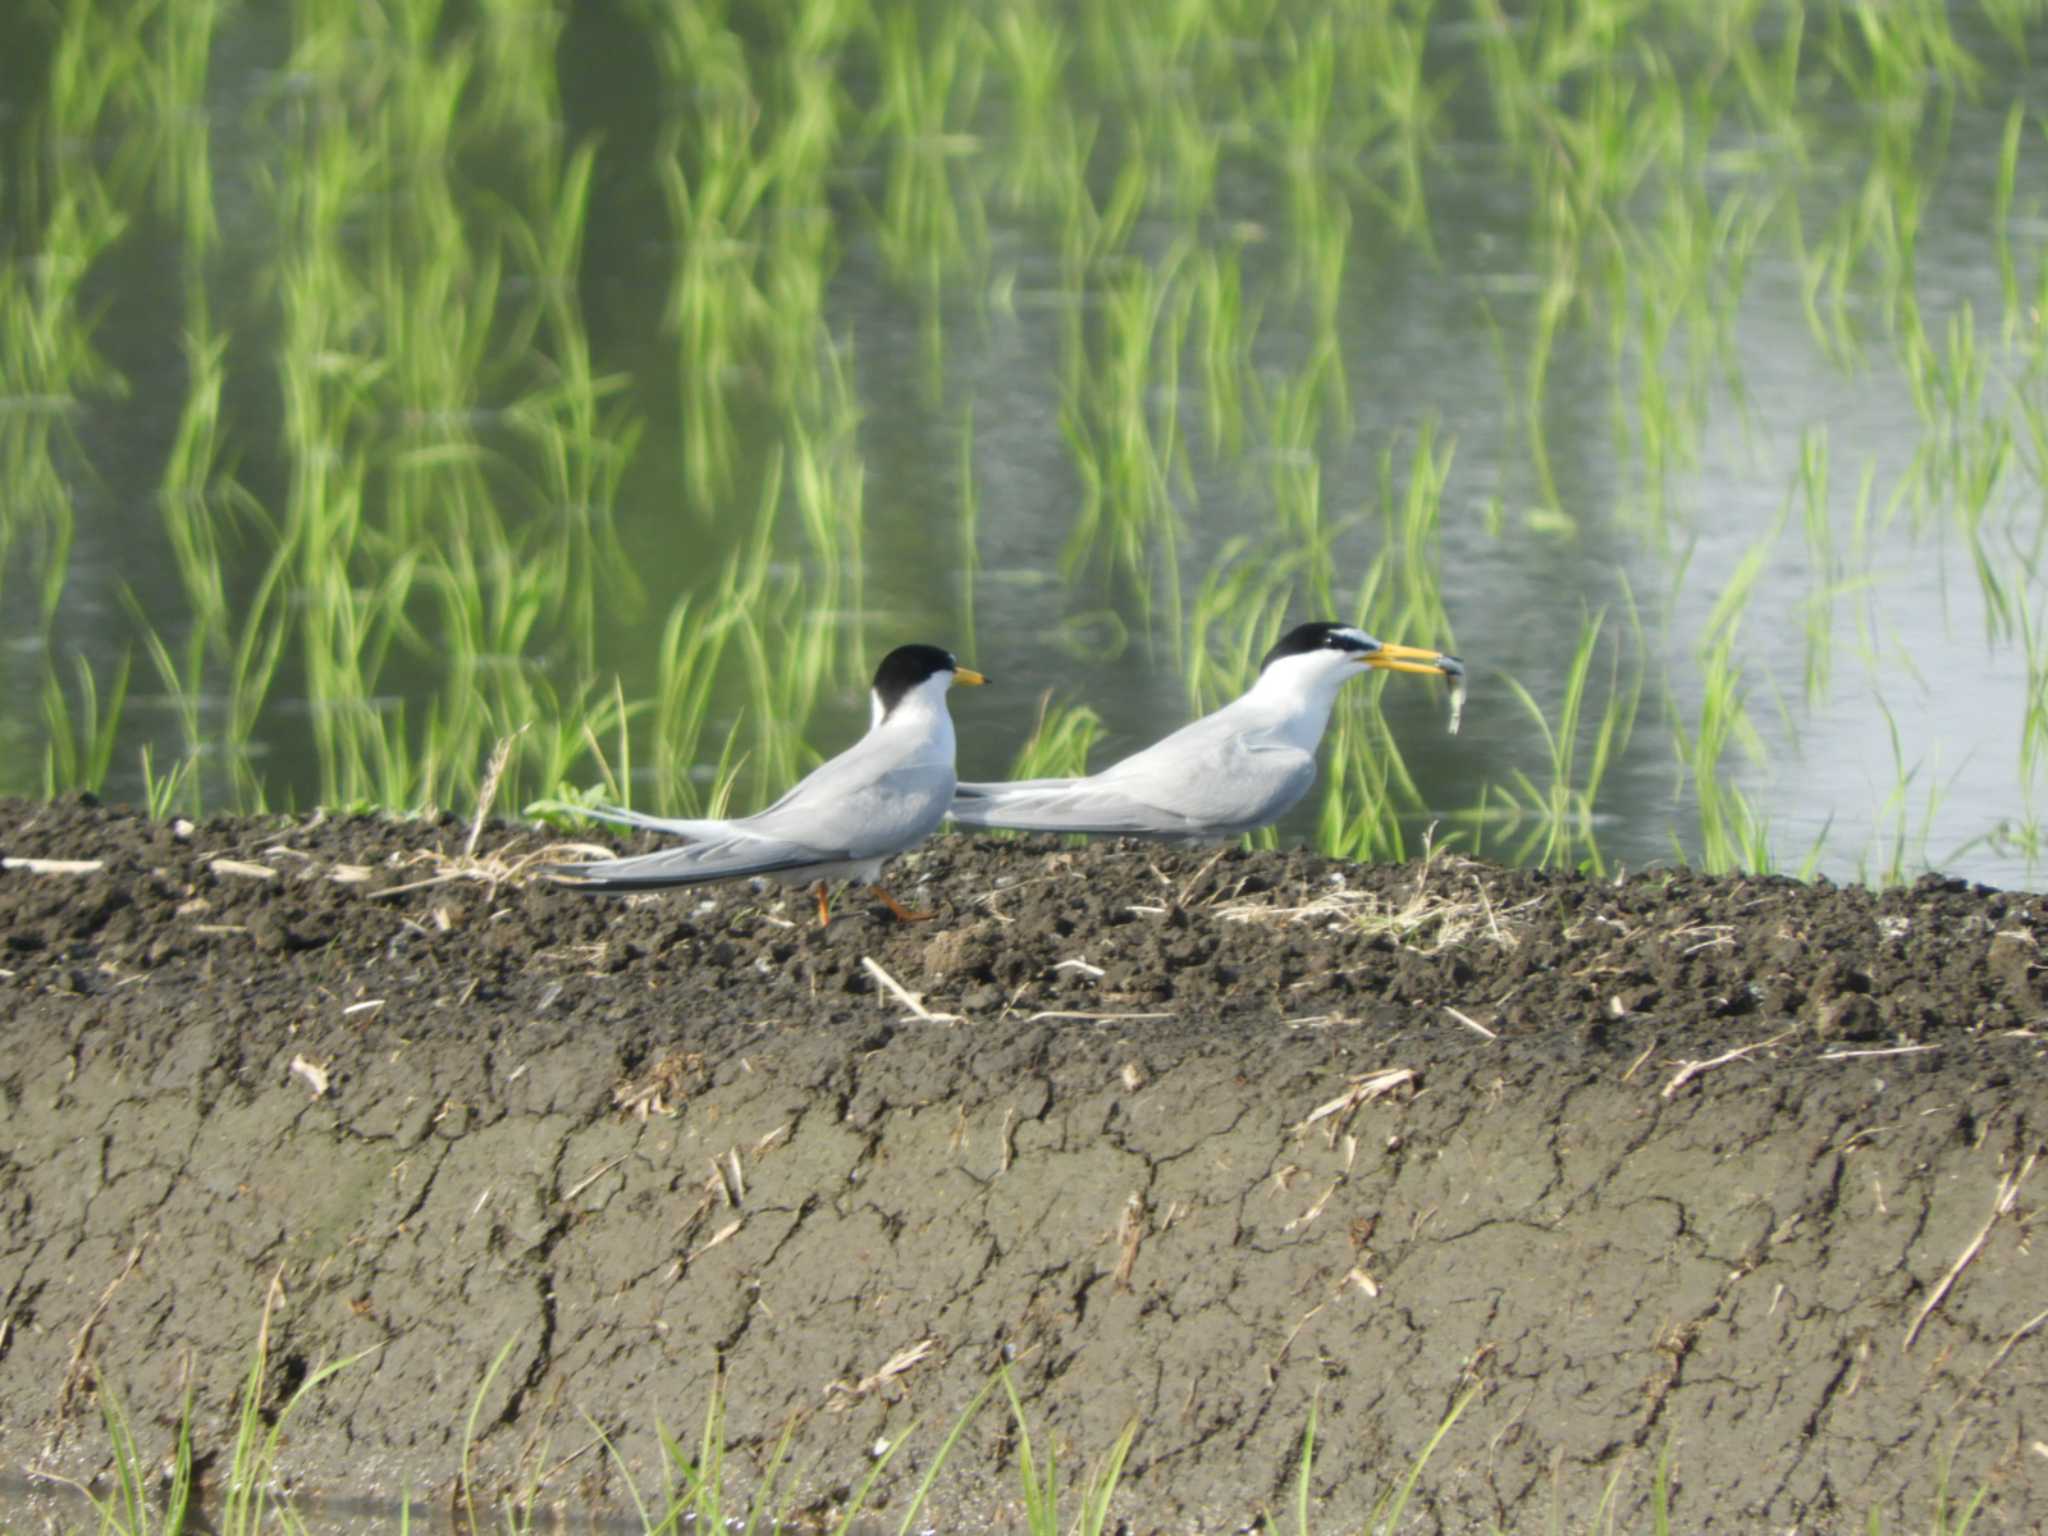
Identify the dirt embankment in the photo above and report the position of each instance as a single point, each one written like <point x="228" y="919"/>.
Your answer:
<point x="1741" y="1169"/>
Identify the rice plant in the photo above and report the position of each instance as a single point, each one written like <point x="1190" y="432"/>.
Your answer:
<point x="80" y="736"/>
<point x="475" y="390"/>
<point x="1561" y="809"/>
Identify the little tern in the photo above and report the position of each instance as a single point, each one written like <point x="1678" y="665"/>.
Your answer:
<point x="885" y="793"/>
<point x="1226" y="773"/>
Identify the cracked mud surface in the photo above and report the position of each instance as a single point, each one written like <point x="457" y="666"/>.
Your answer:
<point x="1208" y="1142"/>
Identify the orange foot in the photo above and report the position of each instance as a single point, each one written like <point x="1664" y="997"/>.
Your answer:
<point x="902" y="914"/>
<point x="824" y="911"/>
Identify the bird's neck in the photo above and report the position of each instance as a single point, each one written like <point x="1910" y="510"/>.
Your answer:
<point x="1293" y="708"/>
<point x="919" y="715"/>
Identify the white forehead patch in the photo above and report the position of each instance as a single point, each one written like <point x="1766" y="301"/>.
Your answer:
<point x="1357" y="636"/>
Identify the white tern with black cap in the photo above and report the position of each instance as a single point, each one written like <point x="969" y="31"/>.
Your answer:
<point x="885" y="793"/>
<point x="1228" y="772"/>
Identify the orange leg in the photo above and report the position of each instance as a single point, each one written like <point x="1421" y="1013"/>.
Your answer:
<point x="902" y="915"/>
<point x="824" y="912"/>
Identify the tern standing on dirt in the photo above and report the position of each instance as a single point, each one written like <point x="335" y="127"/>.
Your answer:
<point x="1229" y="772"/>
<point x="885" y="793"/>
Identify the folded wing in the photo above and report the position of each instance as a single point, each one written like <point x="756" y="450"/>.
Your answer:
<point x="1066" y="805"/>
<point x="834" y="817"/>
<point x="1202" y="781"/>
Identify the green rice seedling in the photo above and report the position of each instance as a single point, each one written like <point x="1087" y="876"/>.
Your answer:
<point x="1234" y="617"/>
<point x="1905" y="848"/>
<point x="1948" y="1518"/>
<point x="1515" y="92"/>
<point x="787" y="658"/>
<point x="1386" y="1517"/>
<point x="1832" y="579"/>
<point x="1558" y="294"/>
<point x="1292" y="414"/>
<point x="1412" y="522"/>
<point x="1306" y="1465"/>
<point x="2021" y="837"/>
<point x="970" y="517"/>
<point x="787" y="646"/>
<point x="1325" y="254"/>
<point x="828" y="482"/>
<point x="48" y="368"/>
<point x="128" y="1509"/>
<point x="183" y="689"/>
<point x="2009" y="18"/>
<point x="161" y="795"/>
<point x="1825" y="270"/>
<point x="1299" y="109"/>
<point x="1041" y="1482"/>
<point x="194" y="500"/>
<point x="1126" y="523"/>
<point x="1387" y="1511"/>
<point x="1733" y="836"/>
<point x="513" y="86"/>
<point x="79" y="744"/>
<point x="1155" y="64"/>
<point x="1062" y="736"/>
<point x="931" y="65"/>
<point x="465" y="1477"/>
<point x="1094" y="234"/>
<point x="247" y="1482"/>
<point x="692" y="642"/>
<point x="1962" y="464"/>
<point x="566" y="731"/>
<point x="702" y="1504"/>
<point x="247" y="1493"/>
<point x="2016" y="319"/>
<point x="582" y="452"/>
<point x="1409" y="103"/>
<point x="1660" y="1492"/>
<point x="576" y="422"/>
<point x="1682" y="275"/>
<point x="1563" y="808"/>
<point x="694" y="1495"/>
<point x="748" y="197"/>
<point x="1031" y="56"/>
<point x="1368" y="790"/>
<point x="1227" y="331"/>
<point x="2033" y="632"/>
<point x="715" y="180"/>
<point x="252" y="669"/>
<point x="1769" y="81"/>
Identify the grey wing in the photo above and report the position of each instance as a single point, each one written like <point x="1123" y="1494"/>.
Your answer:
<point x="1064" y="805"/>
<point x="1206" y="778"/>
<point x="853" y="807"/>
<point x="868" y="814"/>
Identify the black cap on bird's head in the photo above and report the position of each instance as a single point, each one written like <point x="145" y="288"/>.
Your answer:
<point x="1304" y="639"/>
<point x="909" y="666"/>
<point x="1350" y="640"/>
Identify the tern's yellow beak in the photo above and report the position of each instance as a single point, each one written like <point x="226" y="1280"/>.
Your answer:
<point x="1410" y="658"/>
<point x="969" y="676"/>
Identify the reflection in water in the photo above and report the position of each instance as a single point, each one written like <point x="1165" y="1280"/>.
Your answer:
<point x="640" y="376"/>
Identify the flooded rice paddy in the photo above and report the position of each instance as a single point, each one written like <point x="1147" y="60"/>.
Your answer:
<point x="383" y="379"/>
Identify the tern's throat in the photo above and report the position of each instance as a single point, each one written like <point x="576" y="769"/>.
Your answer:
<point x="1292" y="699"/>
<point x="919" y="726"/>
